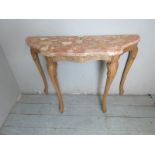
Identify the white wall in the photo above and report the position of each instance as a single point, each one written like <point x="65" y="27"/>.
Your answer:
<point x="74" y="77"/>
<point x="8" y="88"/>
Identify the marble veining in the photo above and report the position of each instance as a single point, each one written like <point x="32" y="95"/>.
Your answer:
<point x="108" y="45"/>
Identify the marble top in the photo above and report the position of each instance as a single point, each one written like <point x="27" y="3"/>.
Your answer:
<point x="108" y="45"/>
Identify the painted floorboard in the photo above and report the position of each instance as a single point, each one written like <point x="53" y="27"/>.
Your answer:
<point x="63" y="131"/>
<point x="88" y="99"/>
<point x="85" y="110"/>
<point x="107" y="125"/>
<point x="48" y="131"/>
<point x="35" y="114"/>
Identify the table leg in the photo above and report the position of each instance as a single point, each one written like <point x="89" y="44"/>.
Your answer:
<point x="35" y="57"/>
<point x="52" y="70"/>
<point x="131" y="57"/>
<point x="112" y="67"/>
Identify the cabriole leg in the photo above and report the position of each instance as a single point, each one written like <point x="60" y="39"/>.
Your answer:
<point x="131" y="57"/>
<point x="35" y="57"/>
<point x="52" y="70"/>
<point x="112" y="67"/>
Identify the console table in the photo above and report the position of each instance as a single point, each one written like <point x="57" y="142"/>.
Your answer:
<point x="108" y="48"/>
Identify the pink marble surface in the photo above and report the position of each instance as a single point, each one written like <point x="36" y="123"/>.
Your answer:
<point x="108" y="45"/>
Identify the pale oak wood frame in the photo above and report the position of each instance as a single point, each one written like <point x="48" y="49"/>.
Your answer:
<point x="112" y="66"/>
<point x="35" y="57"/>
<point x="52" y="70"/>
<point x="132" y="53"/>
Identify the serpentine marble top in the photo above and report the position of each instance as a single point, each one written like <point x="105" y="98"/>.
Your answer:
<point x="108" y="45"/>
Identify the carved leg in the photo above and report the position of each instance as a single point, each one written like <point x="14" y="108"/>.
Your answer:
<point x="131" y="57"/>
<point x="35" y="57"/>
<point x="111" y="72"/>
<point x="52" y="69"/>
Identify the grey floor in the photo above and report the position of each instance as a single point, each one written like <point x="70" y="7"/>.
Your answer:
<point x="36" y="114"/>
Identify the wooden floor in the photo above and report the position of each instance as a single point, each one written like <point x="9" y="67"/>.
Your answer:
<point x="36" y="114"/>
